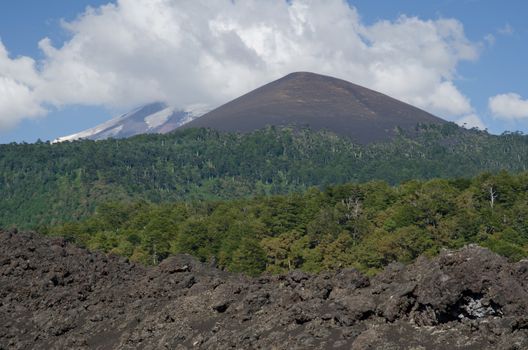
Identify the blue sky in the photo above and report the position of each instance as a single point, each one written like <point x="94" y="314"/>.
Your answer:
<point x="490" y="63"/>
<point x="23" y="23"/>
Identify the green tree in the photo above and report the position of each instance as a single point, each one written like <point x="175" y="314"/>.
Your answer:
<point x="249" y="258"/>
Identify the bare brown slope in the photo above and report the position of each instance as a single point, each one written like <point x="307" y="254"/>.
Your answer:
<point x="321" y="103"/>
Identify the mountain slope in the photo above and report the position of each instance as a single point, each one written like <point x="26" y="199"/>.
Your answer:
<point x="319" y="102"/>
<point x="151" y="118"/>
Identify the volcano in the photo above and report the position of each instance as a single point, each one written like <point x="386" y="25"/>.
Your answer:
<point x="151" y="118"/>
<point x="317" y="102"/>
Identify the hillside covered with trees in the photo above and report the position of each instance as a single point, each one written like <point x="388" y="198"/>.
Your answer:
<point x="366" y="226"/>
<point x="46" y="184"/>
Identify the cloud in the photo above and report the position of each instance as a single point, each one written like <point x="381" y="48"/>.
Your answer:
<point x="16" y="103"/>
<point x="490" y="39"/>
<point x="506" y="30"/>
<point x="509" y="106"/>
<point x="18" y="78"/>
<point x="471" y="121"/>
<point x="207" y="52"/>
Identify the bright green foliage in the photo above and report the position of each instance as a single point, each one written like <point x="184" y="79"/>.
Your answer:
<point x="366" y="226"/>
<point x="46" y="184"/>
<point x="249" y="258"/>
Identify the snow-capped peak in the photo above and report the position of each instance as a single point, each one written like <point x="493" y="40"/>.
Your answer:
<point x="152" y="118"/>
<point x="158" y="118"/>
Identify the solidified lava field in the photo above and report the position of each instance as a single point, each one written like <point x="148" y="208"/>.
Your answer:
<point x="54" y="295"/>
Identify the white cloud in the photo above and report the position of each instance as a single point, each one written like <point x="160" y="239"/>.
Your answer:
<point x="506" y="30"/>
<point x="471" y="121"/>
<point x="18" y="78"/>
<point x="490" y="39"/>
<point x="194" y="52"/>
<point x="508" y="106"/>
<point x="16" y="102"/>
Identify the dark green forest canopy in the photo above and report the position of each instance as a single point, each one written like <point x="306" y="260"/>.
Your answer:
<point x="46" y="184"/>
<point x="365" y="226"/>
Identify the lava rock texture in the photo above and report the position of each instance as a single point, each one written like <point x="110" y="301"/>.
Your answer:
<point x="54" y="295"/>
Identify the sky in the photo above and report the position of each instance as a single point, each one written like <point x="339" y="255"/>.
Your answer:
<point x="69" y="65"/>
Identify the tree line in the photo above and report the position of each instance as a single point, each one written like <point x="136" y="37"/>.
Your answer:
<point x="48" y="184"/>
<point x="365" y="226"/>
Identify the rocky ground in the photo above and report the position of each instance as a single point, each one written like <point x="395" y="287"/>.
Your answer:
<point x="54" y="295"/>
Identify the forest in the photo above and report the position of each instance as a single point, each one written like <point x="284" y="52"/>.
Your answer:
<point x="365" y="226"/>
<point x="46" y="184"/>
